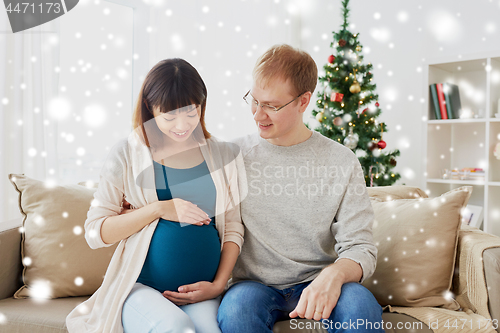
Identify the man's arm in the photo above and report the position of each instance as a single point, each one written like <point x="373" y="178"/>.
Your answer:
<point x="353" y="224"/>
<point x="357" y="254"/>
<point x="347" y="270"/>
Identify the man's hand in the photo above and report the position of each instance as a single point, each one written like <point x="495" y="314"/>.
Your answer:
<point x="194" y="293"/>
<point x="320" y="297"/>
<point x="126" y="207"/>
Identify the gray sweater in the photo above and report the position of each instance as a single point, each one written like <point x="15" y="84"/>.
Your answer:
<point x="306" y="207"/>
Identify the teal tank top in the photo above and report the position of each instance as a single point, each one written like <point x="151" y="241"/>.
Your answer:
<point x="182" y="253"/>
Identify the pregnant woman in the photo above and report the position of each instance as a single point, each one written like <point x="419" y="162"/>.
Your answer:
<point x="179" y="242"/>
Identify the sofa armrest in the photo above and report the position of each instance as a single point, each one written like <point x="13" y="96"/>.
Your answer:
<point x="491" y="261"/>
<point x="10" y="262"/>
<point x="476" y="275"/>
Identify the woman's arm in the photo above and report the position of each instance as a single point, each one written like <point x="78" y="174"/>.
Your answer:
<point x="117" y="227"/>
<point x="229" y="255"/>
<point x="237" y="190"/>
<point x="130" y="221"/>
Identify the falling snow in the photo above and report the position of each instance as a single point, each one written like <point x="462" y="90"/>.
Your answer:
<point x="77" y="230"/>
<point x="27" y="261"/>
<point x="78" y="281"/>
<point x="40" y="290"/>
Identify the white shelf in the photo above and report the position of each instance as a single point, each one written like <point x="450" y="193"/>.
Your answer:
<point x="455" y="121"/>
<point x="462" y="121"/>
<point x="456" y="181"/>
<point x="465" y="143"/>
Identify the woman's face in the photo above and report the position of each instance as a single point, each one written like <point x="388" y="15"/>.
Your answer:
<point x="179" y="124"/>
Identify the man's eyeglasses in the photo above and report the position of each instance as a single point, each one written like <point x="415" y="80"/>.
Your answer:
<point x="266" y="107"/>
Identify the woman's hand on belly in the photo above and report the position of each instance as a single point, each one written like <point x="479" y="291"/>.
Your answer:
<point x="194" y="293"/>
<point x="179" y="210"/>
<point x="176" y="210"/>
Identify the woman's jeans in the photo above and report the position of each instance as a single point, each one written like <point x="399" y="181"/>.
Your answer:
<point x="249" y="307"/>
<point x="147" y="310"/>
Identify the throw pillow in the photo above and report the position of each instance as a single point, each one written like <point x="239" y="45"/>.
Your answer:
<point x="394" y="192"/>
<point x="417" y="241"/>
<point x="57" y="259"/>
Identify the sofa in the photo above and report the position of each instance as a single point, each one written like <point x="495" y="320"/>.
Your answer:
<point x="25" y="314"/>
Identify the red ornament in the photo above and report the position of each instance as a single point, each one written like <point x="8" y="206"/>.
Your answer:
<point x="377" y="105"/>
<point x="331" y="59"/>
<point x="359" y="114"/>
<point x="382" y="144"/>
<point x="336" y="97"/>
<point x="342" y="42"/>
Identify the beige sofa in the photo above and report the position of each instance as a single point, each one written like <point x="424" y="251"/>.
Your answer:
<point x="27" y="315"/>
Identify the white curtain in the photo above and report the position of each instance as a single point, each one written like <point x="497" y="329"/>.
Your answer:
<point x="28" y="82"/>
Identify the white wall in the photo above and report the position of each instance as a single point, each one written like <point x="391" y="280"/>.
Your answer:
<point x="398" y="38"/>
<point x="223" y="39"/>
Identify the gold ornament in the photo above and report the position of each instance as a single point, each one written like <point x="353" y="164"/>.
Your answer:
<point x="319" y="116"/>
<point x="358" y="48"/>
<point x="337" y="121"/>
<point x="355" y="87"/>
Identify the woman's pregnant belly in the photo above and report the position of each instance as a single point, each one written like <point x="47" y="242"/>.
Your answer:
<point x="181" y="254"/>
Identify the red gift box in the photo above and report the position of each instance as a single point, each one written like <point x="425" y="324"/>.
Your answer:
<point x="336" y="97"/>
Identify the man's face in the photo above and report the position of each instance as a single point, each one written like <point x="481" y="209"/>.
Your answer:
<point x="276" y="127"/>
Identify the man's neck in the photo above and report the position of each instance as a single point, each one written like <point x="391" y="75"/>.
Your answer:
<point x="293" y="138"/>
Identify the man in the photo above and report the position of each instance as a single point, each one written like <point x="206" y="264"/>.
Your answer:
<point x="307" y="215"/>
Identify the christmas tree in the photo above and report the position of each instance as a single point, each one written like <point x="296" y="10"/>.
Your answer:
<point x="348" y="107"/>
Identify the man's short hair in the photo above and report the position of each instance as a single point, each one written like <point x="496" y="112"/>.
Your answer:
<point x="286" y="62"/>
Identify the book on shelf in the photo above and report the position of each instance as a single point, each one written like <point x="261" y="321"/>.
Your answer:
<point x="445" y="100"/>
<point x="477" y="174"/>
<point x="442" y="101"/>
<point x="435" y="102"/>
<point x="452" y="96"/>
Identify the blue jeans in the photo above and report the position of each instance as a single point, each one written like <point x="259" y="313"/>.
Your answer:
<point x="147" y="310"/>
<point x="250" y="306"/>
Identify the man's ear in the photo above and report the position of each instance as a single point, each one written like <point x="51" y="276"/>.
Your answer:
<point x="304" y="99"/>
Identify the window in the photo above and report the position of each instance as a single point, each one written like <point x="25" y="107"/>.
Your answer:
<point x="103" y="61"/>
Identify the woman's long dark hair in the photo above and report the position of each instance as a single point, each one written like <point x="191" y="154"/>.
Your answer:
<point x="171" y="84"/>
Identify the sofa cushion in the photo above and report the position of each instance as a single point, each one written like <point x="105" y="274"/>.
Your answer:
<point x="394" y="192"/>
<point x="40" y="316"/>
<point x="10" y="262"/>
<point x="57" y="259"/>
<point x="416" y="241"/>
<point x="27" y="316"/>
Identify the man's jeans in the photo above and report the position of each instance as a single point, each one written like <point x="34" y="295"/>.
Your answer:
<point x="253" y="307"/>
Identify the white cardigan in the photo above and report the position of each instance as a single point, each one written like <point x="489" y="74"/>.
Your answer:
<point x="128" y="172"/>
